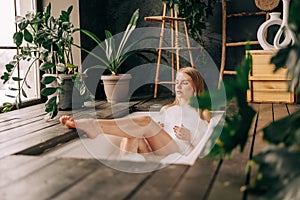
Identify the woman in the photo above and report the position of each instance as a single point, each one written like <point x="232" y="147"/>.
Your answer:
<point x="143" y="135"/>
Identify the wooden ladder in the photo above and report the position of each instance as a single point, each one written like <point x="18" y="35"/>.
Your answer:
<point x="173" y="20"/>
<point x="226" y="44"/>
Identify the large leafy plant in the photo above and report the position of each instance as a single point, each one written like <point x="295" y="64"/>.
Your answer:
<point x="278" y="175"/>
<point x="45" y="40"/>
<point x="115" y="52"/>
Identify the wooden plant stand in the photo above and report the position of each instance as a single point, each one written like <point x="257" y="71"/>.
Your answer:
<point x="175" y="46"/>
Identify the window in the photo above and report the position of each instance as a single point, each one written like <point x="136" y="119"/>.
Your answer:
<point x="9" y="9"/>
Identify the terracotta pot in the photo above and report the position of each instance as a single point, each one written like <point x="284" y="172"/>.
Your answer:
<point x="116" y="87"/>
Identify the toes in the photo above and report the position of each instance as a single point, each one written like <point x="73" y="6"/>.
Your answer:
<point x="63" y="119"/>
<point x="66" y="120"/>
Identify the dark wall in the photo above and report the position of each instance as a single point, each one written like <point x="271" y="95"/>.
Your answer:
<point x="114" y="15"/>
<point x="98" y="15"/>
<point x="93" y="17"/>
<point x="238" y="29"/>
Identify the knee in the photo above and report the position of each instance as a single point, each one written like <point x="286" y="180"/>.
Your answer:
<point x="143" y="120"/>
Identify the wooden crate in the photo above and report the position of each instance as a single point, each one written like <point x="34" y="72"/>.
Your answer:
<point x="265" y="84"/>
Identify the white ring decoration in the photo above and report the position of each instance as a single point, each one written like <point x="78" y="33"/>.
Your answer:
<point x="262" y="30"/>
<point x="284" y="28"/>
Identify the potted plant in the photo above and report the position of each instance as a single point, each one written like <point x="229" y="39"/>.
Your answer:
<point x="46" y="40"/>
<point x="113" y="55"/>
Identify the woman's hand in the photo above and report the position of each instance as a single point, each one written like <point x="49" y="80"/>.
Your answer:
<point x="161" y="124"/>
<point x="182" y="133"/>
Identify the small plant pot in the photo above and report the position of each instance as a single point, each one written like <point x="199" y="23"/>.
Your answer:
<point x="69" y="97"/>
<point x="116" y="87"/>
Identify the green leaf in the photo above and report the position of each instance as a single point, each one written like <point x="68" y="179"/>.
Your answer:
<point x="27" y="36"/>
<point x="69" y="65"/>
<point x="285" y="130"/>
<point x="5" y="77"/>
<point x="9" y="67"/>
<point x="50" y="103"/>
<point x="6" y="109"/>
<point x="24" y="93"/>
<point x="280" y="58"/>
<point x="18" y="38"/>
<point x="48" y="79"/>
<point x="47" y="66"/>
<point x="91" y="35"/>
<point x="47" y="44"/>
<point x="47" y="12"/>
<point x="51" y="107"/>
<point x="54" y="112"/>
<point x="278" y="175"/>
<point x="6" y="104"/>
<point x="23" y="25"/>
<point x="27" y="85"/>
<point x="10" y="96"/>
<point x="13" y="89"/>
<point x="17" y="78"/>
<point x="48" y="91"/>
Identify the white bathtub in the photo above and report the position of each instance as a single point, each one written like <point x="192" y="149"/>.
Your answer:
<point x="106" y="147"/>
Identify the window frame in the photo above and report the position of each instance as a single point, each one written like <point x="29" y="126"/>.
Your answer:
<point x="36" y="98"/>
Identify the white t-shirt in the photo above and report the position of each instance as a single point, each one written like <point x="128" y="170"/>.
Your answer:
<point x="188" y="117"/>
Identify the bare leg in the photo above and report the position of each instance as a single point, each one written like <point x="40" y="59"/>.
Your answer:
<point x="130" y="145"/>
<point x="160" y="142"/>
<point x="144" y="146"/>
<point x="89" y="126"/>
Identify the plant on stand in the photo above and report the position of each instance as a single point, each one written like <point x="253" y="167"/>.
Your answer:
<point x="46" y="40"/>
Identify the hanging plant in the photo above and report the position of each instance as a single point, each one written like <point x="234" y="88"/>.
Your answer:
<point x="196" y="13"/>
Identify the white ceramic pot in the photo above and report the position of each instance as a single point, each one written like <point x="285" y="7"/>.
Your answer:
<point x="116" y="87"/>
<point x="262" y="30"/>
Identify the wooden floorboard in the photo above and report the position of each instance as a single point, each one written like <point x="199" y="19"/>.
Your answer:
<point x="47" y="181"/>
<point x="25" y="112"/>
<point x="233" y="172"/>
<point x="45" y="177"/>
<point x="166" y="178"/>
<point x="280" y="111"/>
<point x="293" y="107"/>
<point x="196" y="181"/>
<point x="20" y="167"/>
<point x="103" y="183"/>
<point x="267" y="114"/>
<point x="231" y="177"/>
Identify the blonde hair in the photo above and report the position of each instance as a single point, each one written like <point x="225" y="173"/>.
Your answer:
<point x="197" y="83"/>
<point x="198" y="87"/>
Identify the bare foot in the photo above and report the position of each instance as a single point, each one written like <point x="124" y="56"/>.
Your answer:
<point x="89" y="126"/>
<point x="67" y="121"/>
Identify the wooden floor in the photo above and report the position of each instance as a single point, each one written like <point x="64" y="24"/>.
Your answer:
<point x="27" y="173"/>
